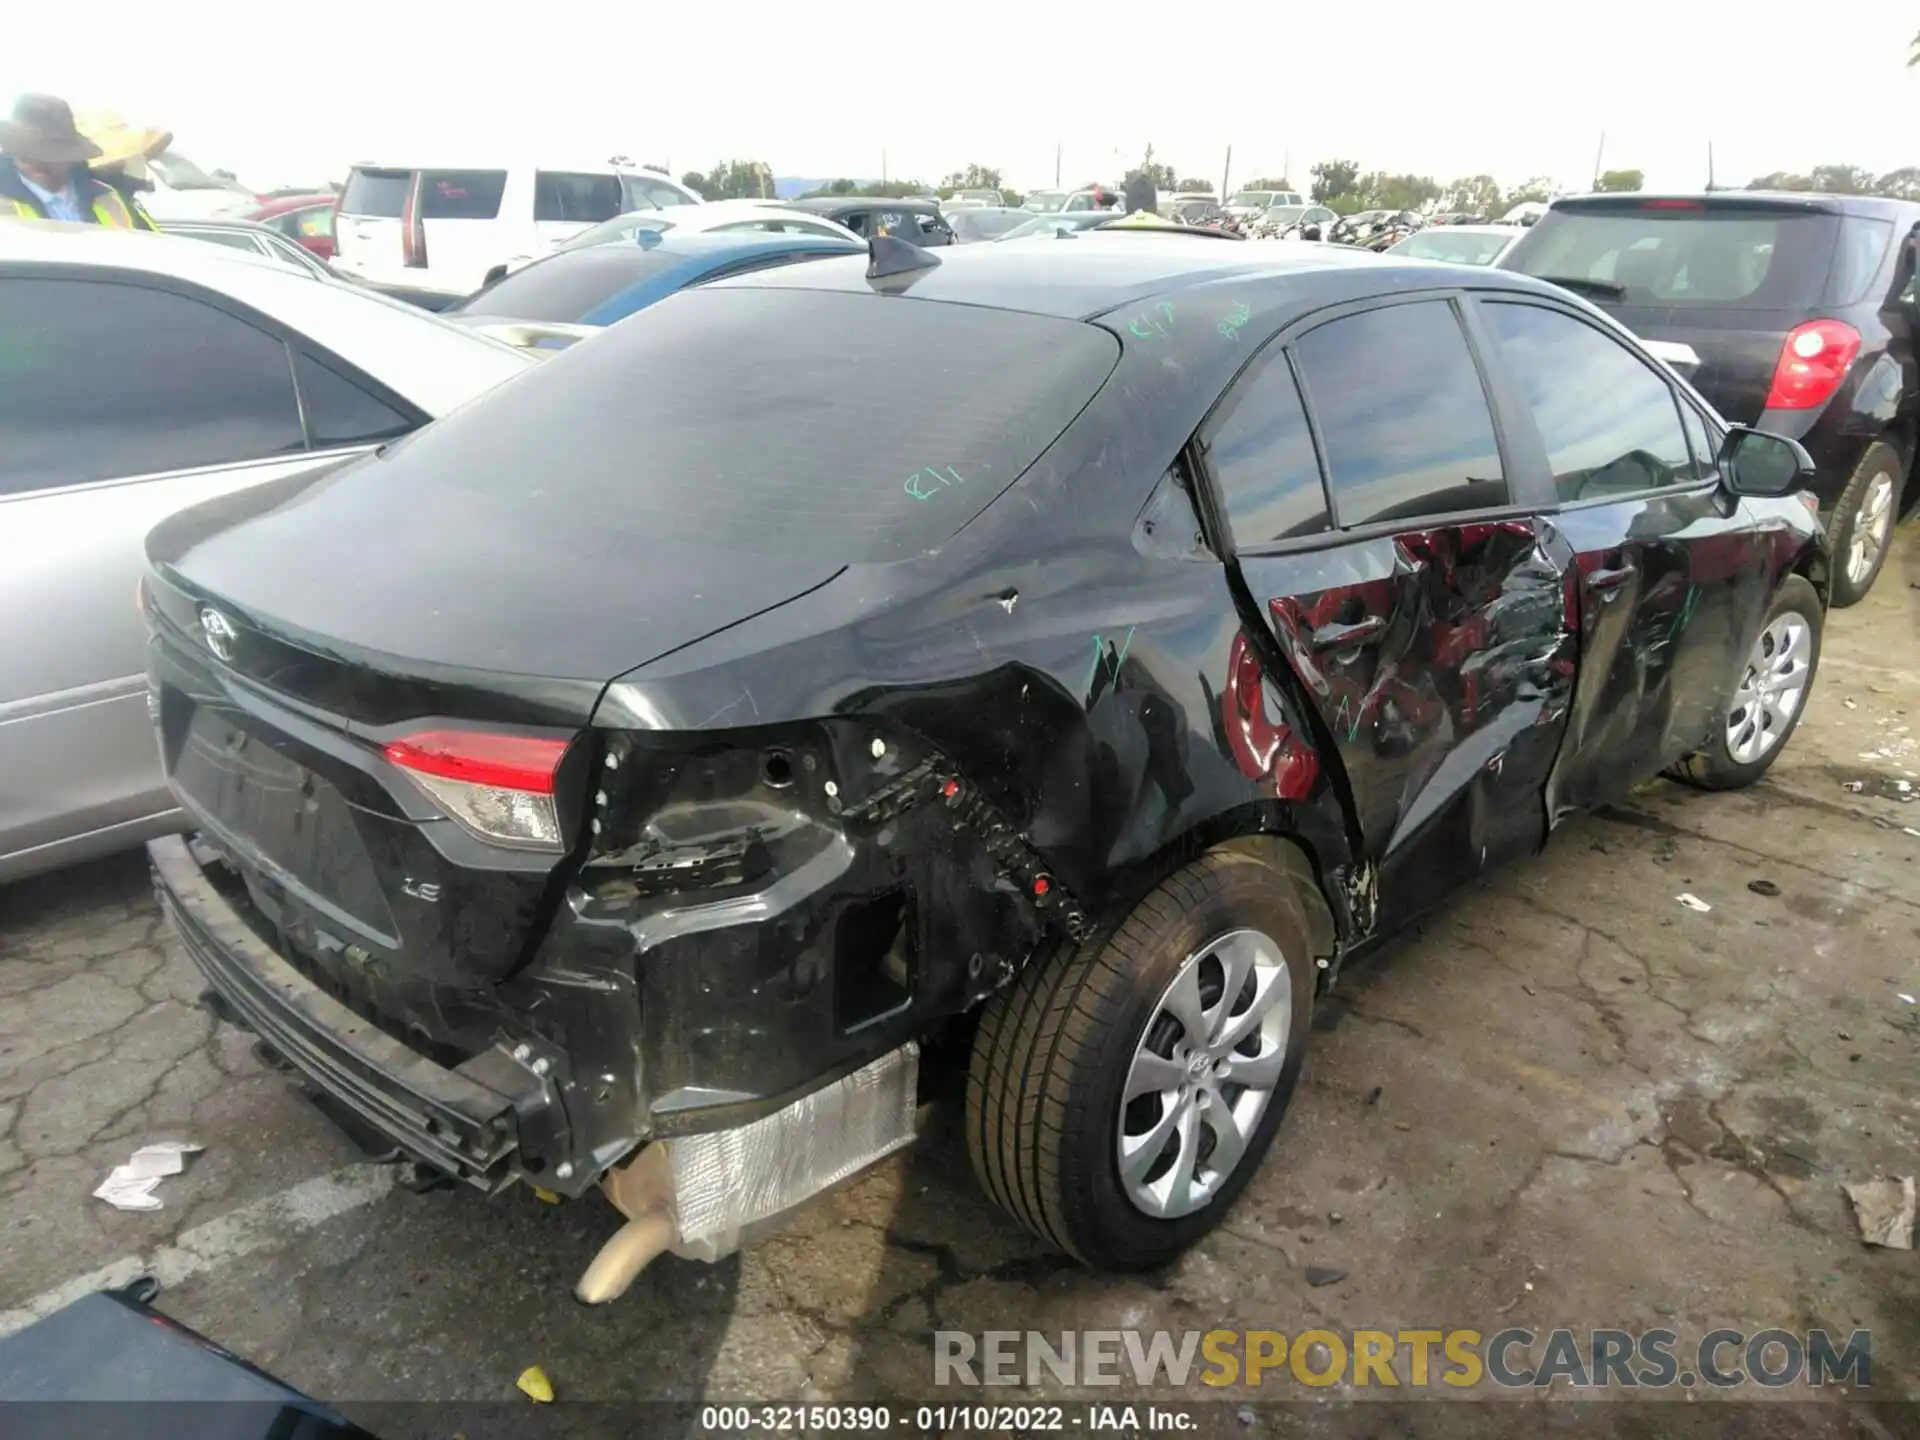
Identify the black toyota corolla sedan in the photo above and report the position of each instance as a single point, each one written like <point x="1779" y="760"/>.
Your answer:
<point x="1076" y="653"/>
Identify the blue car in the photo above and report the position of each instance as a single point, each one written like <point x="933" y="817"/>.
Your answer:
<point x="569" y="295"/>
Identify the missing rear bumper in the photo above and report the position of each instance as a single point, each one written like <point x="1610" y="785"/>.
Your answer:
<point x="702" y="1195"/>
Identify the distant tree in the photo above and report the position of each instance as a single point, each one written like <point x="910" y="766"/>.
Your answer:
<point x="1473" y="195"/>
<point x="1536" y="191"/>
<point x="1194" y="187"/>
<point x="974" y="177"/>
<point x="657" y="169"/>
<point x="733" y="180"/>
<point x="1781" y="180"/>
<point x="1268" y="182"/>
<point x="1842" y="180"/>
<point x="1381" y="191"/>
<point x="1913" y="52"/>
<point x="1901" y="184"/>
<point x="1333" y="180"/>
<point x="1618" y="181"/>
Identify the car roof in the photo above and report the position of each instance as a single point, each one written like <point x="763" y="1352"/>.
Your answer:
<point x="828" y="203"/>
<point x="1100" y="271"/>
<point x="1876" y="206"/>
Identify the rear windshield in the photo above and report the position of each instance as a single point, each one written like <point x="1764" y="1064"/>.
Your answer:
<point x="566" y="288"/>
<point x="378" y="193"/>
<point x="839" y="426"/>
<point x="1683" y="257"/>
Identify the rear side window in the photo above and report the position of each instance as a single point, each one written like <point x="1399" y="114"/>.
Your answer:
<point x="103" y="381"/>
<point x="796" y="422"/>
<point x="565" y="288"/>
<point x="1679" y="255"/>
<point x="380" y="194"/>
<point x="461" y="194"/>
<point x="1263" y="461"/>
<point x="1402" y="415"/>
<point x="577" y="198"/>
<point x="340" y="412"/>
<point x="640" y="193"/>
<point x="1857" y="258"/>
<point x="1611" y="425"/>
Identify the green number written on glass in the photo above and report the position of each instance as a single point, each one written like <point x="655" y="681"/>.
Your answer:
<point x="929" y="482"/>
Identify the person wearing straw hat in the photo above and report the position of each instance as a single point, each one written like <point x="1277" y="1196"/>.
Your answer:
<point x="125" y="149"/>
<point x="43" y="169"/>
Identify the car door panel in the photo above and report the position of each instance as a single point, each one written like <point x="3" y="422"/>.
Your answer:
<point x="1441" y="662"/>
<point x="1670" y="568"/>
<point x="1436" y="650"/>
<point x="76" y="746"/>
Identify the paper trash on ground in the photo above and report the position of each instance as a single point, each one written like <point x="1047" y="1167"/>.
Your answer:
<point x="1694" y="902"/>
<point x="131" y="1186"/>
<point x="1884" y="1209"/>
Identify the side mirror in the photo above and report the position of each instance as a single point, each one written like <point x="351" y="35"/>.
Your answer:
<point x="1755" y="463"/>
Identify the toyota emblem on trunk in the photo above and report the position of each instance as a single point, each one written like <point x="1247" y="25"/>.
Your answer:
<point x="219" y="632"/>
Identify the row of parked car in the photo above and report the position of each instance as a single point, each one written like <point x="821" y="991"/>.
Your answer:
<point x="591" y="755"/>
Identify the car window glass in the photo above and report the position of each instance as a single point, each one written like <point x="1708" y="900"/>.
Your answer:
<point x="1263" y="461"/>
<point x="1862" y="245"/>
<point x="1610" y="423"/>
<point x="580" y="198"/>
<point x="1402" y="414"/>
<point x="339" y="412"/>
<point x="1705" y="457"/>
<point x="378" y="194"/>
<point x="232" y="239"/>
<point x="662" y="195"/>
<point x="461" y="194"/>
<point x="102" y="381"/>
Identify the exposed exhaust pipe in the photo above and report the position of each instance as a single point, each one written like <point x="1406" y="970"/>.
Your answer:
<point x="642" y="1190"/>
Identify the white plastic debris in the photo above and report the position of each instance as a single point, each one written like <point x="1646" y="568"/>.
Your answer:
<point x="1908" y="998"/>
<point x="131" y="1186"/>
<point x="1854" y="787"/>
<point x="1884" y="1210"/>
<point x="1694" y="902"/>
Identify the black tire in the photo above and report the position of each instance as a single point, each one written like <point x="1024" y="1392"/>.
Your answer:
<point x="1052" y="1052"/>
<point x="1715" y="768"/>
<point x="1880" y="459"/>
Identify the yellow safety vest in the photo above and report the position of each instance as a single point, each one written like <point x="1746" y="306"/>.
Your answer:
<point x="108" y="209"/>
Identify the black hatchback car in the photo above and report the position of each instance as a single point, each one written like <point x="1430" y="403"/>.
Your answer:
<point x="620" y="780"/>
<point x="1793" y="313"/>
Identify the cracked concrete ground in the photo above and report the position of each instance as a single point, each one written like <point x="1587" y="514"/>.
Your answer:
<point x="1568" y="1100"/>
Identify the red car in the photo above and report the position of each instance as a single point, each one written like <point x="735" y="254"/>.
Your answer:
<point x="305" y="219"/>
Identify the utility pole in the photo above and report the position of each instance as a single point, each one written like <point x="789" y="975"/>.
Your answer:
<point x="1286" y="169"/>
<point x="1056" y="164"/>
<point x="883" y="164"/>
<point x="1226" y="173"/>
<point x="1597" y="159"/>
<point x="1709" y="165"/>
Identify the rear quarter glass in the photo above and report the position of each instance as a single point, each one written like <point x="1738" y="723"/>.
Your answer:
<point x="380" y="194"/>
<point x="1859" y="251"/>
<point x="1733" y="257"/>
<point x="824" y="425"/>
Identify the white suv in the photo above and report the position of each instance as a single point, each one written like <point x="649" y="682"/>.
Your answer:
<point x="444" y="228"/>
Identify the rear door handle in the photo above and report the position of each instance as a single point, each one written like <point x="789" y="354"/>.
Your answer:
<point x="1608" y="579"/>
<point x="1343" y="637"/>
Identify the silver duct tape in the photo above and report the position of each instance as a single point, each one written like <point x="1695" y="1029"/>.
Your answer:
<point x="730" y="1179"/>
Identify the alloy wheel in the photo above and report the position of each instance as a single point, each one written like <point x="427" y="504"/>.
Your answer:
<point x="1872" y="527"/>
<point x="1203" y="1073"/>
<point x="1772" y="688"/>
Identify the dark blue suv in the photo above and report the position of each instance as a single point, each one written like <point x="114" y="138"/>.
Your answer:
<point x="1790" y="313"/>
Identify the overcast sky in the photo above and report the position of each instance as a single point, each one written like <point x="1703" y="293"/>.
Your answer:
<point x="288" y="94"/>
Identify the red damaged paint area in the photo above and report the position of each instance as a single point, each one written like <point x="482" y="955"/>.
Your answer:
<point x="1266" y="749"/>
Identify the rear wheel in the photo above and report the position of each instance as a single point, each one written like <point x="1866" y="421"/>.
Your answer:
<point x="1121" y="1095"/>
<point x="1770" y="697"/>
<point x="1862" y="524"/>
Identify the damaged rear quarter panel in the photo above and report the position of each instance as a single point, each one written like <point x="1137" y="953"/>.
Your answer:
<point x="1061" y="717"/>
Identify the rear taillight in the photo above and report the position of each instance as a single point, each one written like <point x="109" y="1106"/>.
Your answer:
<point x="413" y="231"/>
<point x="498" y="786"/>
<point x="1812" y="363"/>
